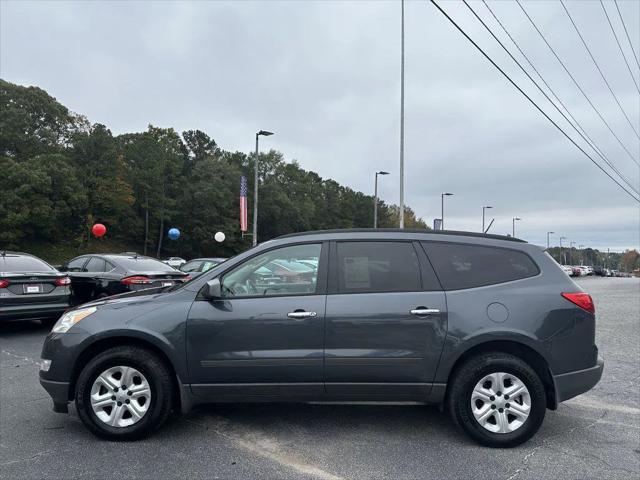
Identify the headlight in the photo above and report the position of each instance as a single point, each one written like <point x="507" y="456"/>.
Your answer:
<point x="69" y="319"/>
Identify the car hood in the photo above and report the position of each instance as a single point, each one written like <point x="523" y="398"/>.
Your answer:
<point x="147" y="295"/>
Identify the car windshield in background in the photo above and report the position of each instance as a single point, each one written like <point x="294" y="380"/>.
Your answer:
<point x="19" y="263"/>
<point x="191" y="266"/>
<point x="142" y="264"/>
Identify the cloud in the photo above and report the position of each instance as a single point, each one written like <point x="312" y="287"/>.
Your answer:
<point x="325" y="77"/>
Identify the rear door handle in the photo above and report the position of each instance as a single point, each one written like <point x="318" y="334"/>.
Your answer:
<point x="301" y="314"/>
<point x="424" y="311"/>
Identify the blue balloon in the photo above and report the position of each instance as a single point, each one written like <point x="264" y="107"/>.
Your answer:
<point x="174" y="233"/>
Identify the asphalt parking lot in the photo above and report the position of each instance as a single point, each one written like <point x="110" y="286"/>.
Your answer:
<point x="596" y="435"/>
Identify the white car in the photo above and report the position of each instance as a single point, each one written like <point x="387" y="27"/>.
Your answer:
<point x="567" y="270"/>
<point x="175" y="262"/>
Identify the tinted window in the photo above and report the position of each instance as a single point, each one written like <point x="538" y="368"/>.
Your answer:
<point x="283" y="271"/>
<point x="76" y="264"/>
<point x="142" y="264"/>
<point x="14" y="263"/>
<point x="377" y="267"/>
<point x="95" y="265"/>
<point x="466" y="266"/>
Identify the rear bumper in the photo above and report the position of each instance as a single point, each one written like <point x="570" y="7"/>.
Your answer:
<point x="570" y="384"/>
<point x="59" y="392"/>
<point x="33" y="311"/>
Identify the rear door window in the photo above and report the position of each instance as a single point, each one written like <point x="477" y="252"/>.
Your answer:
<point x="95" y="264"/>
<point x="460" y="266"/>
<point x="368" y="267"/>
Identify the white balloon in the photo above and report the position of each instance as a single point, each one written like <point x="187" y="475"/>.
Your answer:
<point x="219" y="236"/>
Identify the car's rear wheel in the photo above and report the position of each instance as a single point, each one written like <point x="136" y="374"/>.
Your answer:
<point x="497" y="399"/>
<point x="124" y="393"/>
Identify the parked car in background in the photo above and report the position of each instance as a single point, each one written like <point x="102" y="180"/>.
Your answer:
<point x="599" y="271"/>
<point x="587" y="270"/>
<point x="355" y="315"/>
<point x="102" y="275"/>
<point x="31" y="289"/>
<point x="576" y="271"/>
<point x="198" y="266"/>
<point x="567" y="269"/>
<point x="174" y="262"/>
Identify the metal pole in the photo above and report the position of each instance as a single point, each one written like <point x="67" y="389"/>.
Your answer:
<point x="375" y="204"/>
<point x="402" y="118"/>
<point x="442" y="211"/>
<point x="255" y="196"/>
<point x="513" y="227"/>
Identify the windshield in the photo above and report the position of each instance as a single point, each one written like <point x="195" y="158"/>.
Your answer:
<point x="193" y="266"/>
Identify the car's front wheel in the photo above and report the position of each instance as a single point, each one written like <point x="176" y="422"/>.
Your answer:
<point x="124" y="393"/>
<point x="497" y="399"/>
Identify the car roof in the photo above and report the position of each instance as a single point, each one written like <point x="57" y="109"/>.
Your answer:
<point x="398" y="232"/>
<point x="16" y="254"/>
<point x="203" y="259"/>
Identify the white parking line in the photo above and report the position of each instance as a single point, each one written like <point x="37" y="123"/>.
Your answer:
<point x="591" y="402"/>
<point x="260" y="444"/>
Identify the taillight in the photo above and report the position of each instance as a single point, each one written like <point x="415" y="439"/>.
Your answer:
<point x="63" y="282"/>
<point x="4" y="283"/>
<point x="135" y="280"/>
<point x="581" y="299"/>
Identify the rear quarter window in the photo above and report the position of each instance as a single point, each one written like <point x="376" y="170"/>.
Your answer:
<point x="461" y="266"/>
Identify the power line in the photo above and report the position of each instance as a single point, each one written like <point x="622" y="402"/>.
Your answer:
<point x="530" y="99"/>
<point x="599" y="70"/>
<point x="575" y="82"/>
<point x="635" y="55"/>
<point x="590" y="143"/>
<point x="624" y="57"/>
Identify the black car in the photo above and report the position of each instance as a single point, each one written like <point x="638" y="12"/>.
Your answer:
<point x="102" y="275"/>
<point x="31" y="289"/>
<point x="198" y="266"/>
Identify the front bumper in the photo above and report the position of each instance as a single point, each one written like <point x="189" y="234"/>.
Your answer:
<point x="59" y="392"/>
<point x="570" y="384"/>
<point x="33" y="311"/>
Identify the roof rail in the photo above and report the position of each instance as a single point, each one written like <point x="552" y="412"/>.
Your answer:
<point x="407" y="230"/>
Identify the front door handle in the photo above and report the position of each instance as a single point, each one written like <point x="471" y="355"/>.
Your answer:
<point x="298" y="314"/>
<point x="424" y="311"/>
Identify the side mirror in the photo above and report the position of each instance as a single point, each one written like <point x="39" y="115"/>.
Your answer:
<point x="213" y="290"/>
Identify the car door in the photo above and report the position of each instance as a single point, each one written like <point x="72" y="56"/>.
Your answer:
<point x="386" y="320"/>
<point x="265" y="335"/>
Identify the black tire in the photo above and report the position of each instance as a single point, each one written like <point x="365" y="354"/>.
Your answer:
<point x="155" y="371"/>
<point x="460" y="393"/>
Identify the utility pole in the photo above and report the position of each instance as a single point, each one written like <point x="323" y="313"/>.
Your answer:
<point x="548" y="239"/>
<point x="513" y="226"/>
<point x="562" y="259"/>
<point x="571" y="244"/>
<point x="402" y="116"/>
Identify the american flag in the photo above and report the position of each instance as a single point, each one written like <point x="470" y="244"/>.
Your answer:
<point x="243" y="204"/>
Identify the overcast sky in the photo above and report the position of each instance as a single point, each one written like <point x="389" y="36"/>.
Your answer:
<point x="325" y="76"/>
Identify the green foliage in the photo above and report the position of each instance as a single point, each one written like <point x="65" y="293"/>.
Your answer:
<point x="61" y="175"/>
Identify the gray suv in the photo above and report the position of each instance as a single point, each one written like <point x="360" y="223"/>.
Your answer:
<point x="488" y="327"/>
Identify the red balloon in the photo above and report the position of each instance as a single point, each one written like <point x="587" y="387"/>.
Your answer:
<point x="99" y="230"/>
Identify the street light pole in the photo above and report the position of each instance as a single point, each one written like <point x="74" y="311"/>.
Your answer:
<point x="442" y="208"/>
<point x="402" y="117"/>
<point x="571" y="244"/>
<point x="255" y="188"/>
<point x="562" y="260"/>
<point x="513" y="226"/>
<point x="548" y="239"/>
<point x="375" y="199"/>
<point x="483" y="209"/>
<point x="581" y="252"/>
